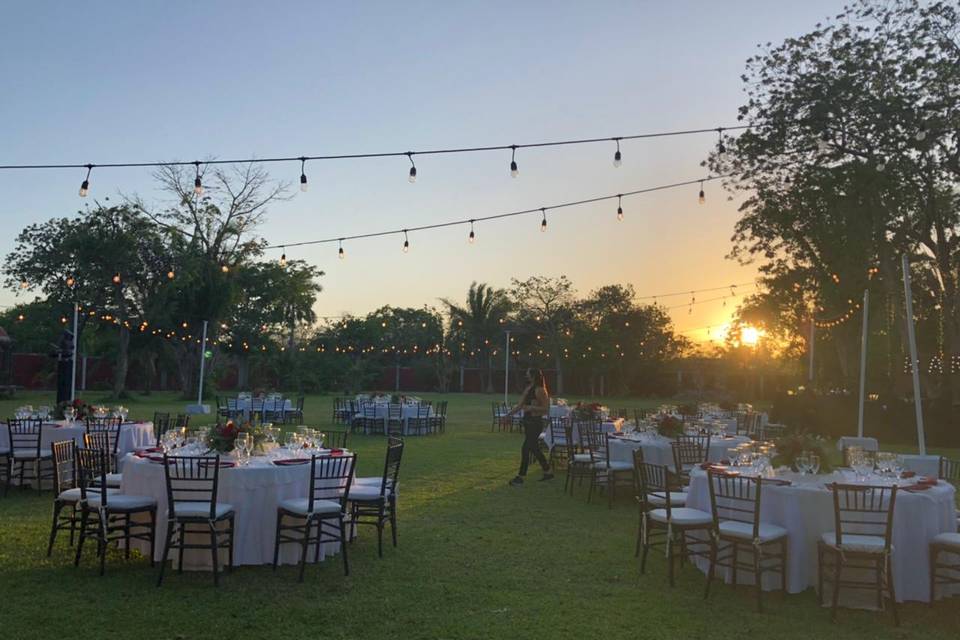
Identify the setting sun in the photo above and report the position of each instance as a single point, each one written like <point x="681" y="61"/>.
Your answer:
<point x="749" y="336"/>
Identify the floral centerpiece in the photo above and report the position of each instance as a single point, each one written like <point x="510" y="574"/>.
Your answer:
<point x="222" y="438"/>
<point x="82" y="409"/>
<point x="588" y="411"/>
<point x="669" y="427"/>
<point x="790" y="446"/>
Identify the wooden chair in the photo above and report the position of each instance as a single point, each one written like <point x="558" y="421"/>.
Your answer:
<point x="193" y="509"/>
<point x="863" y="520"/>
<point x="295" y="413"/>
<point x="579" y="464"/>
<point x="162" y="424"/>
<point x="395" y="420"/>
<point x="664" y="518"/>
<point x="558" y="440"/>
<point x="107" y="441"/>
<point x="25" y="438"/>
<point x="605" y="473"/>
<point x="376" y="503"/>
<point x="735" y="507"/>
<point x="335" y="439"/>
<point x="324" y="507"/>
<point x="688" y="452"/>
<point x="67" y="489"/>
<point x="950" y="471"/>
<point x="942" y="571"/>
<point x="108" y="517"/>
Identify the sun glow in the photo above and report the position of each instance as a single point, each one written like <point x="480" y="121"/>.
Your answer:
<point x="750" y="336"/>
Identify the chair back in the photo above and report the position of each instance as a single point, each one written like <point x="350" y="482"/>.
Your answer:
<point x="687" y="454"/>
<point x="558" y="431"/>
<point x="25" y="434"/>
<point x="592" y="439"/>
<point x="654" y="484"/>
<point x="103" y="424"/>
<point x="183" y="420"/>
<point x="639" y="415"/>
<point x="569" y="442"/>
<point x="394" y="411"/>
<point x="299" y="406"/>
<point x="369" y="411"/>
<point x="701" y="441"/>
<point x="735" y="497"/>
<point x="106" y="441"/>
<point x="950" y="471"/>
<point x="92" y="467"/>
<point x="442" y="409"/>
<point x="330" y="478"/>
<point x="391" y="465"/>
<point x="865" y="510"/>
<point x="336" y="439"/>
<point x="162" y="423"/>
<point x="65" y="474"/>
<point x="192" y="479"/>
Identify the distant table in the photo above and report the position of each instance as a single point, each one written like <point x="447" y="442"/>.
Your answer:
<point x="658" y="450"/>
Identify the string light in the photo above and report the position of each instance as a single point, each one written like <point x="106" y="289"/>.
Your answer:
<point x="514" y="172"/>
<point x="224" y="268"/>
<point x="619" y="207"/>
<point x="283" y="259"/>
<point x="116" y="278"/>
<point x="471" y="237"/>
<point x="24" y="284"/>
<point x="303" y="174"/>
<point x="340" y="253"/>
<point x="71" y="281"/>
<point x="85" y="185"/>
<point x="197" y="184"/>
<point x="702" y="198"/>
<point x="406" y="242"/>
<point x="543" y="223"/>
<point x="617" y="158"/>
<point x="170" y="274"/>
<point x="881" y="165"/>
<point x="413" y="168"/>
<point x="721" y="148"/>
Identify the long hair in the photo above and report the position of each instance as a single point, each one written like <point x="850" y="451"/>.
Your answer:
<point x="538" y="378"/>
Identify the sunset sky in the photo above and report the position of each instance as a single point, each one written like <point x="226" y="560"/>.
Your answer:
<point x="101" y="82"/>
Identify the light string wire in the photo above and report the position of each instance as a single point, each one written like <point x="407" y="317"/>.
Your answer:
<point x="381" y="154"/>
<point x="498" y="216"/>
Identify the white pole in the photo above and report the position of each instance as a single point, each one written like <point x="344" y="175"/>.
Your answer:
<point x="203" y="352"/>
<point x="863" y="359"/>
<point x="506" y="369"/>
<point x="912" y="338"/>
<point x="810" y="373"/>
<point x="73" y="362"/>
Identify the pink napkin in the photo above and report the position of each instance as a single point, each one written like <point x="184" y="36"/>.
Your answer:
<point x="291" y="461"/>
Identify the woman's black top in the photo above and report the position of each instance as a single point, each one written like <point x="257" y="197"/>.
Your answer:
<point x="530" y="397"/>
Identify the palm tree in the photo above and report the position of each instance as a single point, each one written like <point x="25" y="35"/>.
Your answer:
<point x="479" y="320"/>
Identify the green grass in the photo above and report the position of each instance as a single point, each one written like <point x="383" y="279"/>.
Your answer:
<point x="477" y="559"/>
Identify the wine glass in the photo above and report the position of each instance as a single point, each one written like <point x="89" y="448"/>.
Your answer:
<point x="802" y="462"/>
<point x="814" y="463"/>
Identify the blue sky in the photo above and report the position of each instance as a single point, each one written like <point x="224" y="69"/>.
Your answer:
<point x="112" y="81"/>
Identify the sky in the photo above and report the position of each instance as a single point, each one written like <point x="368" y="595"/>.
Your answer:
<point x="111" y="82"/>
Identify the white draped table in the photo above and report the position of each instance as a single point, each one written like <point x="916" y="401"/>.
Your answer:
<point x="805" y="510"/>
<point x="255" y="491"/>
<point x="407" y="411"/>
<point x="607" y="426"/>
<point x="657" y="449"/>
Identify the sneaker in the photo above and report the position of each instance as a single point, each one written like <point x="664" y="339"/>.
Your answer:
<point x="546" y="476"/>
<point x="516" y="482"/>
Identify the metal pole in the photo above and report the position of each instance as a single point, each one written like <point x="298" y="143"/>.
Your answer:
<point x="203" y="352"/>
<point x="506" y="369"/>
<point x="911" y="336"/>
<point x="863" y="359"/>
<point x="76" y="346"/>
<point x="810" y="373"/>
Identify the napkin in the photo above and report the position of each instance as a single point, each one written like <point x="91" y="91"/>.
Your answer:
<point x="155" y="458"/>
<point x="291" y="461"/>
<point x="336" y="452"/>
<point x="918" y="487"/>
<point x="142" y="452"/>
<point x="908" y="474"/>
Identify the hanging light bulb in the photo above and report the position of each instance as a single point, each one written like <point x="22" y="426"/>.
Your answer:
<point x="881" y="165"/>
<point x="24" y="284"/>
<point x="413" y="168"/>
<point x="303" y="174"/>
<point x="619" y="207"/>
<point x="283" y="258"/>
<point x="116" y="278"/>
<point x="823" y="143"/>
<point x="406" y="242"/>
<point x="171" y="274"/>
<point x="472" y="237"/>
<point x="224" y="268"/>
<point x="85" y="185"/>
<point x="513" y="162"/>
<point x="197" y="183"/>
<point x="543" y="223"/>
<point x="721" y="148"/>
<point x="20" y="317"/>
<point x="340" y="253"/>
<point x="702" y="198"/>
<point x="71" y="281"/>
<point x="617" y="157"/>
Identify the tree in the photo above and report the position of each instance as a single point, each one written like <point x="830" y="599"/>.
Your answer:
<point x="545" y="306"/>
<point x="479" y="321"/>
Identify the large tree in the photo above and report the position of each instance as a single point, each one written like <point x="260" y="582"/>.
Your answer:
<point x="479" y="322"/>
<point x="545" y="306"/>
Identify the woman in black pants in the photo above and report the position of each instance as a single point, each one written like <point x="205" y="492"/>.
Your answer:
<point x="535" y="404"/>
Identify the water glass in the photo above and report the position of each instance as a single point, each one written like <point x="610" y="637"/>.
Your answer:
<point x="814" y="463"/>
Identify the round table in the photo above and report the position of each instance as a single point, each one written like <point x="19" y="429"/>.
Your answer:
<point x="805" y="510"/>
<point x="407" y="411"/>
<point x="657" y="449"/>
<point x="254" y="491"/>
<point x="607" y="426"/>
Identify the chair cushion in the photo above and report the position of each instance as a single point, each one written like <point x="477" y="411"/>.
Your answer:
<point x="682" y="516"/>
<point x="114" y="480"/>
<point x="367" y="492"/>
<point x="744" y="531"/>
<point x="614" y="465"/>
<point x="854" y="542"/>
<point x="677" y="498"/>
<point x="947" y="540"/>
<point x="582" y="457"/>
<point x="300" y="506"/>
<point x="4" y="451"/>
<point x="72" y="495"/>
<point x="200" y="509"/>
<point x="121" y="502"/>
<point x="31" y="454"/>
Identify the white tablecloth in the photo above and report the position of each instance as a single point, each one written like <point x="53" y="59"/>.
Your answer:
<point x="867" y="444"/>
<point x="657" y="449"/>
<point x="407" y="411"/>
<point x="254" y="491"/>
<point x="805" y="510"/>
<point x="133" y="435"/>
<point x="268" y="404"/>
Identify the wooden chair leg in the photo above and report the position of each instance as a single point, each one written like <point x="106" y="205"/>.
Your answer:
<point x="888" y="571"/>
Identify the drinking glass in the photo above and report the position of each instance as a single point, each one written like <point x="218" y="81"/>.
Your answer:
<point x="814" y="463"/>
<point x="802" y="462"/>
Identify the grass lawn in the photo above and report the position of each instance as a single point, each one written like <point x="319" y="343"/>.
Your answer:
<point x="477" y="559"/>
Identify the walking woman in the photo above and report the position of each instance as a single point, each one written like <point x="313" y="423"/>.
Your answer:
<point x="535" y="404"/>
